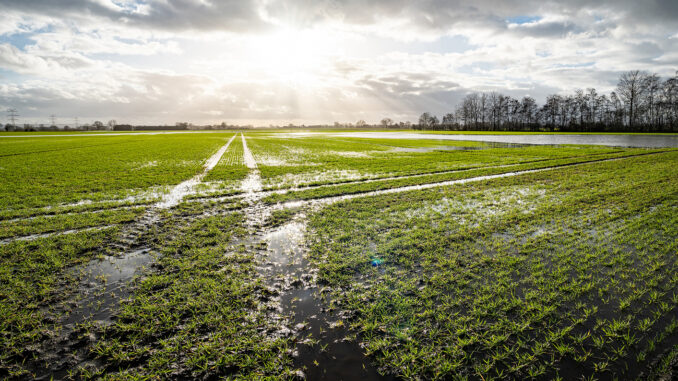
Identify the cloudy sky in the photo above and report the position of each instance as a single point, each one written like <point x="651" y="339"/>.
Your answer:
<point x="313" y="61"/>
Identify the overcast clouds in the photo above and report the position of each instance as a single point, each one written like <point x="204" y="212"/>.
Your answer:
<point x="311" y="61"/>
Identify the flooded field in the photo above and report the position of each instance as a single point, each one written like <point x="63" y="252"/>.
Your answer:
<point x="612" y="140"/>
<point x="376" y="256"/>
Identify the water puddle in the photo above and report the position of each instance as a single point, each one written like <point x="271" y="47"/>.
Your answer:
<point x="287" y="272"/>
<point x="251" y="186"/>
<point x="333" y="199"/>
<point x="105" y="281"/>
<point x="334" y="355"/>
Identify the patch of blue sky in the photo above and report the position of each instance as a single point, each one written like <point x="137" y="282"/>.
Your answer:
<point x="522" y="19"/>
<point x="22" y="38"/>
<point x="18" y="40"/>
<point x="127" y="5"/>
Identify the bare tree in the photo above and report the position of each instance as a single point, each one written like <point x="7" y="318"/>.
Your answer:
<point x="386" y="122"/>
<point x="641" y="102"/>
<point x="630" y="88"/>
<point x="449" y="120"/>
<point x="652" y="87"/>
<point x="427" y="120"/>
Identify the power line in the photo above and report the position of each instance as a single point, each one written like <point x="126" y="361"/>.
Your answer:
<point x="12" y="115"/>
<point x="52" y="119"/>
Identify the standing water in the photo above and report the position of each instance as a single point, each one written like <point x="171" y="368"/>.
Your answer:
<point x="333" y="357"/>
<point x="612" y="140"/>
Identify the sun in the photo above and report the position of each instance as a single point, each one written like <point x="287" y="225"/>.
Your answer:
<point x="293" y="55"/>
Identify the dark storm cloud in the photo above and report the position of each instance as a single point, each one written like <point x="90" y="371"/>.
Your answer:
<point x="170" y="15"/>
<point x="445" y="14"/>
<point x="547" y="29"/>
<point x="435" y="15"/>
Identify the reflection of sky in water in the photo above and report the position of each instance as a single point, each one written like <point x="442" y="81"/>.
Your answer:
<point x="622" y="140"/>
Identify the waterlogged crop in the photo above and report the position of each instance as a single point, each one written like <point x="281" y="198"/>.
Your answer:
<point x="65" y="222"/>
<point x="230" y="170"/>
<point x="128" y="257"/>
<point x="34" y="281"/>
<point x="287" y="161"/>
<point x="566" y="273"/>
<point x="199" y="312"/>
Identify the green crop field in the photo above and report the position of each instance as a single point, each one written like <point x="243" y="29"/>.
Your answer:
<point x="332" y="256"/>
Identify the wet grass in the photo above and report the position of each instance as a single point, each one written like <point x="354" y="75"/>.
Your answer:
<point x="231" y="167"/>
<point x="34" y="279"/>
<point x="13" y="214"/>
<point x="41" y="172"/>
<point x="64" y="222"/>
<point x="280" y="216"/>
<point x="377" y="185"/>
<point x="199" y="313"/>
<point x="305" y="161"/>
<point x="566" y="273"/>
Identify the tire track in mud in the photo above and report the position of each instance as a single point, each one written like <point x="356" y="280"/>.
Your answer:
<point x="287" y="272"/>
<point x="265" y="193"/>
<point x="103" y="282"/>
<point x="326" y="349"/>
<point x="33" y="237"/>
<point x="179" y="191"/>
<point x="332" y="199"/>
<point x="207" y="197"/>
<point x="73" y="208"/>
<point x="92" y="211"/>
<point x="252" y="191"/>
<point x="169" y="200"/>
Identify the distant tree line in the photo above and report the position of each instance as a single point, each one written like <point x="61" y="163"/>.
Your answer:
<point x="642" y="102"/>
<point x="28" y="127"/>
